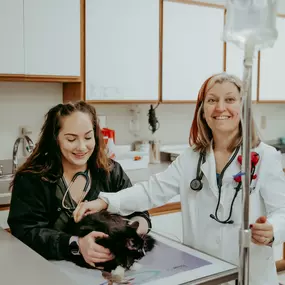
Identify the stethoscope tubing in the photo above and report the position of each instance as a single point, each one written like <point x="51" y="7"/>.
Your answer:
<point x="85" y="191"/>
<point x="197" y="185"/>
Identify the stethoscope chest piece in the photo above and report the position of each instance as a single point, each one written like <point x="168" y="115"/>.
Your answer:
<point x="196" y="184"/>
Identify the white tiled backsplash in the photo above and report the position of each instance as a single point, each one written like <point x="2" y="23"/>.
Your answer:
<point x="25" y="104"/>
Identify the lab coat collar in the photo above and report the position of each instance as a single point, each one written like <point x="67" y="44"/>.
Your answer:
<point x="209" y="171"/>
<point x="233" y="169"/>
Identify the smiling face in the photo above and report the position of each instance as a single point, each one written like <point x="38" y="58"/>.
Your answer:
<point x="76" y="140"/>
<point x="222" y="108"/>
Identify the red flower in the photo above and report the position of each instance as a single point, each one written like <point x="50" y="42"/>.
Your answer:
<point x="254" y="161"/>
<point x="237" y="178"/>
<point x="239" y="159"/>
<point x="254" y="158"/>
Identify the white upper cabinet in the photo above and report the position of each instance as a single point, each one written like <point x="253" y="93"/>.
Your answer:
<point x="234" y="65"/>
<point x="122" y="50"/>
<point x="52" y="37"/>
<point x="11" y="35"/>
<point x="272" y="62"/>
<point x="192" y="48"/>
<point x="40" y="37"/>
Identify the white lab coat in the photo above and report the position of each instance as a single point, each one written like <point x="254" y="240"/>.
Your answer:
<point x="199" y="230"/>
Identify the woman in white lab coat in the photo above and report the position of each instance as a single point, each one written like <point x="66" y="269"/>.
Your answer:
<point x="211" y="205"/>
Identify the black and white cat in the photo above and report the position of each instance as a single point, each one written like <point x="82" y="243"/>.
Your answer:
<point x="123" y="242"/>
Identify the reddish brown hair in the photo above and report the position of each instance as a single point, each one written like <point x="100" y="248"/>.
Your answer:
<point x="200" y="133"/>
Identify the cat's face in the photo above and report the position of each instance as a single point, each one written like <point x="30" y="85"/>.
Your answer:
<point x="138" y="245"/>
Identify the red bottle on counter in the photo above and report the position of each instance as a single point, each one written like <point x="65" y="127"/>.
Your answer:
<point x="109" y="139"/>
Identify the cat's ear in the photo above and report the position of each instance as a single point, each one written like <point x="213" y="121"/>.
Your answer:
<point x="134" y="225"/>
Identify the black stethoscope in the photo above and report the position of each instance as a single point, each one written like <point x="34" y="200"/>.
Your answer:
<point x="197" y="185"/>
<point x="86" y="188"/>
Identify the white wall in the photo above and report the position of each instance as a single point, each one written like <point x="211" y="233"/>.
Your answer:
<point x="24" y="104"/>
<point x="175" y="121"/>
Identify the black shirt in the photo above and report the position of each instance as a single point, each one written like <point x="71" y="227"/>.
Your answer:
<point x="35" y="208"/>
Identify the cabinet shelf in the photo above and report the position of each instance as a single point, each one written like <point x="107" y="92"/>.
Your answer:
<point x="38" y="78"/>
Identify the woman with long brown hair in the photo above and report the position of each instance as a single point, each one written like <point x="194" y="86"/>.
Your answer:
<point x="68" y="166"/>
<point x="208" y="178"/>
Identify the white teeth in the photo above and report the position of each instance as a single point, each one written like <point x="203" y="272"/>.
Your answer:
<point x="221" y="118"/>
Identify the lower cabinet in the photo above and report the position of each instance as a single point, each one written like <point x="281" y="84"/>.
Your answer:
<point x="3" y="219"/>
<point x="168" y="225"/>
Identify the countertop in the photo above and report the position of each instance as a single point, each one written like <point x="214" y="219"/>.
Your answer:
<point x="144" y="174"/>
<point x="21" y="265"/>
<point x="178" y="149"/>
<point x="280" y="147"/>
<point x="168" y="152"/>
<point x="136" y="175"/>
<point x="32" y="269"/>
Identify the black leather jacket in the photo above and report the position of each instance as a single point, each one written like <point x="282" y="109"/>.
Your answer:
<point x="34" y="209"/>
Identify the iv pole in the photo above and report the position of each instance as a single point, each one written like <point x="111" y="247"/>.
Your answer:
<point x="254" y="33"/>
<point x="245" y="232"/>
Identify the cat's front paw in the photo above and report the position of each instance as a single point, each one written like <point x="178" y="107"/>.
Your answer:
<point x="118" y="274"/>
<point x="136" y="266"/>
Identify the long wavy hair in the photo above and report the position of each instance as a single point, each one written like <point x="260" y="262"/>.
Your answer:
<point x="46" y="159"/>
<point x="200" y="133"/>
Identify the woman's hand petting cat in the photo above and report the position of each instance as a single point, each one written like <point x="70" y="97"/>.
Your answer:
<point x="91" y="251"/>
<point x="88" y="207"/>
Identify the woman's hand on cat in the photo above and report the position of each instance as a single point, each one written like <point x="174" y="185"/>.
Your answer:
<point x="91" y="251"/>
<point x="88" y="207"/>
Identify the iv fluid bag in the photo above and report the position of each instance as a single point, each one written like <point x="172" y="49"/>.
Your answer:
<point x="253" y="20"/>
